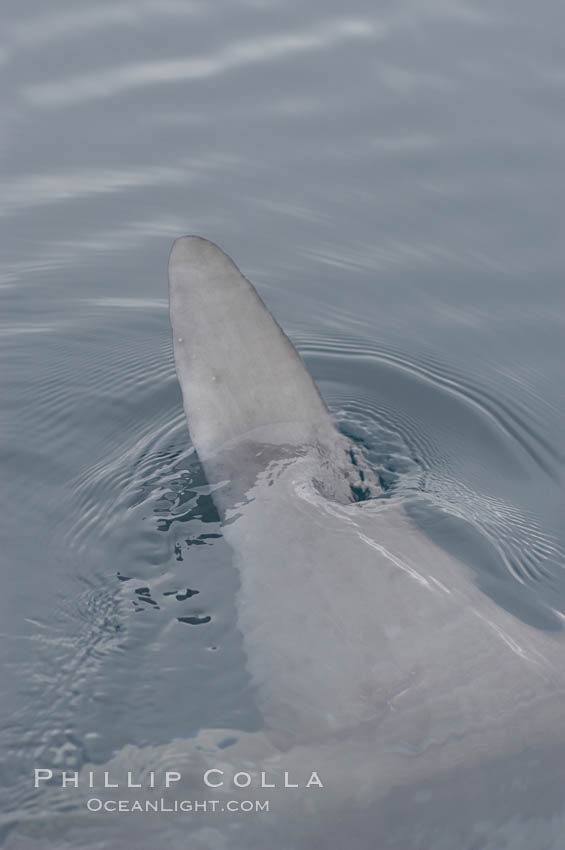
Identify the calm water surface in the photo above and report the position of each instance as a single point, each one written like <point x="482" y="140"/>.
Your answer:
<point x="390" y="176"/>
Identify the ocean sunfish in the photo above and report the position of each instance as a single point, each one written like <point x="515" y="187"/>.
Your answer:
<point x="436" y="717"/>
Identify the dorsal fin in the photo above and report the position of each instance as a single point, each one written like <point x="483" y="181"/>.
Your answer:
<point x="239" y="373"/>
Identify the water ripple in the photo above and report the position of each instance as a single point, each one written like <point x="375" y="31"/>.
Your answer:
<point x="38" y="189"/>
<point x="264" y="49"/>
<point x="511" y="417"/>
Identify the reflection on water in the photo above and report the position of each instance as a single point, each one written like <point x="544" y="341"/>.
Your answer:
<point x="120" y="80"/>
<point x="391" y="180"/>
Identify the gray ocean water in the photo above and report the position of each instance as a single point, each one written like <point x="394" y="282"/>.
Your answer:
<point x="391" y="177"/>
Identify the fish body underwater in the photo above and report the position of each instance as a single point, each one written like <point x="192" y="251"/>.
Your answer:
<point x="402" y="708"/>
<point x="435" y="717"/>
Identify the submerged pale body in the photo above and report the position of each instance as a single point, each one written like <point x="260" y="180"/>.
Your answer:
<point x="371" y="649"/>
